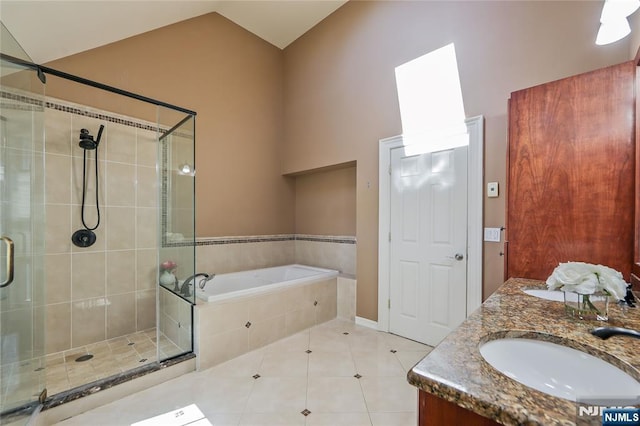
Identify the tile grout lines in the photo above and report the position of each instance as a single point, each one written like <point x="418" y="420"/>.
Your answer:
<point x="358" y="377"/>
<point x="306" y="411"/>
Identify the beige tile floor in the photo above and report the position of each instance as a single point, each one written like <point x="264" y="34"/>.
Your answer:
<point x="343" y="374"/>
<point x="110" y="357"/>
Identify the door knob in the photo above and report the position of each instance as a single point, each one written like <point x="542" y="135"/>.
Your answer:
<point x="458" y="256"/>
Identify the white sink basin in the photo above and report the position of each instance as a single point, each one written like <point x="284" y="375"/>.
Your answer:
<point x="557" y="370"/>
<point x="556" y="296"/>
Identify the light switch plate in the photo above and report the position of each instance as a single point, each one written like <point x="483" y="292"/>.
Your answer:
<point x="492" y="235"/>
<point x="492" y="189"/>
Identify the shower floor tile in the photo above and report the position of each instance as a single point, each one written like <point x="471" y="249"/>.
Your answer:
<point x="109" y="358"/>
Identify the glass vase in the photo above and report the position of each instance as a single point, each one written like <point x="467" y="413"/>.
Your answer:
<point x="587" y="306"/>
<point x="167" y="278"/>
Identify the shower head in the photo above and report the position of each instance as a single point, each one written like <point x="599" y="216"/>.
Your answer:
<point x="87" y="141"/>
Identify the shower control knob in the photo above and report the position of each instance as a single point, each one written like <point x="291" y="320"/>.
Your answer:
<point x="83" y="238"/>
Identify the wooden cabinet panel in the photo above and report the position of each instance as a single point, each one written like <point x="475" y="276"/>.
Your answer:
<point x="434" y="411"/>
<point x="571" y="173"/>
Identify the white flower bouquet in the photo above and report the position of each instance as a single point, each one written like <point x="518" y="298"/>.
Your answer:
<point x="586" y="278"/>
<point x="587" y="288"/>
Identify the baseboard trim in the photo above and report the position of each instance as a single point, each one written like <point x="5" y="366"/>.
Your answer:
<point x="367" y="323"/>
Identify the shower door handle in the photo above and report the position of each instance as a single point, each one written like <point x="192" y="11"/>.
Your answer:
<point x="10" y="262"/>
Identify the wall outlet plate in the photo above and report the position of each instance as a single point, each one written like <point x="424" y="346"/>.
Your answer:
<point x="492" y="189"/>
<point x="492" y="235"/>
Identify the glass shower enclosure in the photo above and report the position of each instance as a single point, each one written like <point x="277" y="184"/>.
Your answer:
<point x="74" y="317"/>
<point x="22" y="366"/>
<point x="177" y="231"/>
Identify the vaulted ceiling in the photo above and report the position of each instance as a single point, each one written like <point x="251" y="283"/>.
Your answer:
<point x="49" y="30"/>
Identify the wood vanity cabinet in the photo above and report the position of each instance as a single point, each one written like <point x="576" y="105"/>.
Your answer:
<point x="434" y="411"/>
<point x="571" y="174"/>
<point x="635" y="269"/>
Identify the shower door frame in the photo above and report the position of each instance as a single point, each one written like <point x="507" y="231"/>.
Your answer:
<point x="22" y="354"/>
<point x="41" y="72"/>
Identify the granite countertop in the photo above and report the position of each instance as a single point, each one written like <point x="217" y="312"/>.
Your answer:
<point x="456" y="372"/>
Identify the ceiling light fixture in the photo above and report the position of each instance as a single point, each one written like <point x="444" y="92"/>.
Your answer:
<point x="614" y="25"/>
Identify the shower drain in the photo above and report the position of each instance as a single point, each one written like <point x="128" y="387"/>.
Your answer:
<point x="83" y="358"/>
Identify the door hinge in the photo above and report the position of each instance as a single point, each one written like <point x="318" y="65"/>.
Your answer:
<point x="389" y="303"/>
<point x="389" y="170"/>
<point x="389" y="236"/>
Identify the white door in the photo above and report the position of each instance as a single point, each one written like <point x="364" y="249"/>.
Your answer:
<point x="428" y="240"/>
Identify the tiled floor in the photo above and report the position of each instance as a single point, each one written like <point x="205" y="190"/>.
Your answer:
<point x="110" y="357"/>
<point x="337" y="373"/>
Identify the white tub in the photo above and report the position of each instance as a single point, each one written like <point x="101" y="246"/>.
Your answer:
<point x="258" y="281"/>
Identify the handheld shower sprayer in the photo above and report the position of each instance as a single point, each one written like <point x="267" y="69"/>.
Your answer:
<point x="87" y="141"/>
<point x="86" y="237"/>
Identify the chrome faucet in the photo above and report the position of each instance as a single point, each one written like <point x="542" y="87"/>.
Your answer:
<point x="205" y="280"/>
<point x="184" y="290"/>
<point x="605" y="332"/>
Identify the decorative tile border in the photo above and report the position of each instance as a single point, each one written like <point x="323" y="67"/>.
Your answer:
<point x="100" y="115"/>
<point x="23" y="99"/>
<point x="29" y="101"/>
<point x="271" y="238"/>
<point x="214" y="241"/>
<point x="342" y="239"/>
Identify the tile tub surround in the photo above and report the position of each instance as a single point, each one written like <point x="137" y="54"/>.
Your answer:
<point x="232" y="254"/>
<point x="337" y="253"/>
<point x="223" y="255"/>
<point x="455" y="371"/>
<point x="346" y="297"/>
<point x="229" y="328"/>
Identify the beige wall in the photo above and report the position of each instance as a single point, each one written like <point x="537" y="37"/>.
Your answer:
<point x="340" y="95"/>
<point x="233" y="80"/>
<point x="331" y="96"/>
<point x="326" y="202"/>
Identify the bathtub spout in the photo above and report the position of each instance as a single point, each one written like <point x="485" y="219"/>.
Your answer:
<point x="205" y="280"/>
<point x="184" y="290"/>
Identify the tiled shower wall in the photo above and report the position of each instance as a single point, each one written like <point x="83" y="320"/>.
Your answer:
<point x="109" y="289"/>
